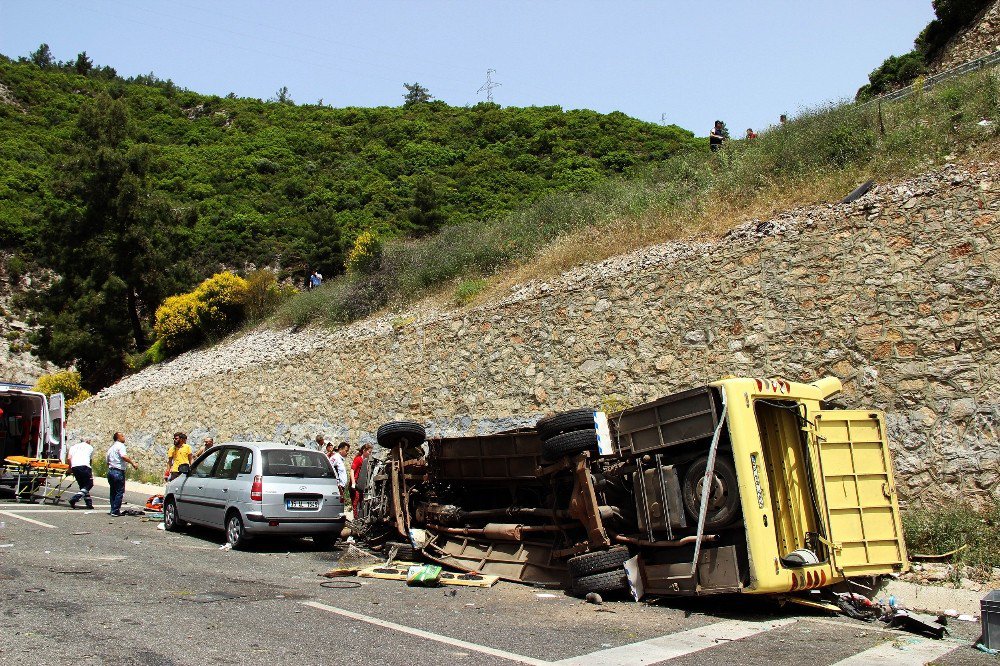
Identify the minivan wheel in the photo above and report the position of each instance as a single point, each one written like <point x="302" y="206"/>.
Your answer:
<point x="235" y="534"/>
<point x="171" y="522"/>
<point x="723" y="497"/>
<point x="389" y="434"/>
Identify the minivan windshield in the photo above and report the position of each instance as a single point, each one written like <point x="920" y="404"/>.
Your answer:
<point x="304" y="464"/>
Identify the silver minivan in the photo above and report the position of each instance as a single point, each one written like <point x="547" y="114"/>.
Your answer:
<point x="252" y="489"/>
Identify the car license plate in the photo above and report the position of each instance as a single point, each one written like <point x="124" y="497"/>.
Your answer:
<point x="302" y="504"/>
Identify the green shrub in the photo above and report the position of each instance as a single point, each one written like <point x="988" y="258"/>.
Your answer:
<point x="66" y="382"/>
<point x="264" y="295"/>
<point x="157" y="353"/>
<point x="16" y="268"/>
<point x="946" y="527"/>
<point x="468" y="290"/>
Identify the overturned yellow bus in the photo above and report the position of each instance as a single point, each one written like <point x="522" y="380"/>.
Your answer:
<point x="742" y="486"/>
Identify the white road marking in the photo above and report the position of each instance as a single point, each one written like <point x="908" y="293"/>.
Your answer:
<point x="12" y="514"/>
<point x="634" y="654"/>
<point x="420" y="633"/>
<point x="675" y="645"/>
<point x="904" y="651"/>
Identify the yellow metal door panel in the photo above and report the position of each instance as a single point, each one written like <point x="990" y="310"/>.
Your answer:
<point x="862" y="508"/>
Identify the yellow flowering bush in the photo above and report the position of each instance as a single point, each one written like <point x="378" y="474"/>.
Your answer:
<point x="178" y="322"/>
<point x="223" y="298"/>
<point x="215" y="307"/>
<point x="66" y="382"/>
<point x="365" y="254"/>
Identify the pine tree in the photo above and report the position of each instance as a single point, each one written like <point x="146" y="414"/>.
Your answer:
<point x="416" y="94"/>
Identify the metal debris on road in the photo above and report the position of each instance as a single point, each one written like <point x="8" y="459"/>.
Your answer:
<point x="340" y="584"/>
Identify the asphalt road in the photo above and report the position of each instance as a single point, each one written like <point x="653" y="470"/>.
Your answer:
<point x="85" y="588"/>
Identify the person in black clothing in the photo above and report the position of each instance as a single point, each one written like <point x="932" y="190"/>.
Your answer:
<point x="718" y="134"/>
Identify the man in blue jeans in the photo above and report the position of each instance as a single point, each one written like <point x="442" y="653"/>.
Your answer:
<point x="117" y="459"/>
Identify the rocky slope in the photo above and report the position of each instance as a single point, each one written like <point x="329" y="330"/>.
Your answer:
<point x="16" y="362"/>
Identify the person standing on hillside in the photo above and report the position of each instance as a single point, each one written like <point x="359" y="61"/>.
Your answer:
<point x="81" y="455"/>
<point x="315" y="279"/>
<point x="117" y="458"/>
<point x="717" y="136"/>
<point x="179" y="456"/>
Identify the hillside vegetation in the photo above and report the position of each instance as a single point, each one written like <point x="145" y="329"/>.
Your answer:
<point x="267" y="180"/>
<point x="136" y="190"/>
<point x="819" y="156"/>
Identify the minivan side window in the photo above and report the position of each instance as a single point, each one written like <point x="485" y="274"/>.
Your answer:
<point x="247" y="463"/>
<point x="203" y="469"/>
<point x="232" y="463"/>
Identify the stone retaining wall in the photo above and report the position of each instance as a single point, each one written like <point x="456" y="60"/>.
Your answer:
<point x="895" y="294"/>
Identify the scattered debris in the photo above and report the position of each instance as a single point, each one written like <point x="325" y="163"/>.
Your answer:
<point x="162" y="526"/>
<point x="226" y="546"/>
<point x="6" y="545"/>
<point x="79" y="533"/>
<point x="942" y="556"/>
<point x="545" y="595"/>
<point x="594" y="598"/>
<point x="35" y="589"/>
<point x="423" y="575"/>
<point x="338" y="572"/>
<point x="917" y="623"/>
<point x="451" y="593"/>
<point x="340" y="584"/>
<point x="399" y="571"/>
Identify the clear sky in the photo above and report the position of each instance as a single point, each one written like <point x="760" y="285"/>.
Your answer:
<point x="742" y="61"/>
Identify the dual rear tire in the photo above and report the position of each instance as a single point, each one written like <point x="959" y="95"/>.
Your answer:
<point x="600" y="571"/>
<point x="567" y="433"/>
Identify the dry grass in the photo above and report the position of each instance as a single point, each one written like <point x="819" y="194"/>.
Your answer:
<point x="713" y="219"/>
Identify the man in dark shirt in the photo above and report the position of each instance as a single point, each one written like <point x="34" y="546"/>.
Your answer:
<point x="718" y="134"/>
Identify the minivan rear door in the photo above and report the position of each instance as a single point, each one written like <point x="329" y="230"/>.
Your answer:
<point x="862" y="508"/>
<point x="299" y="485"/>
<point x="56" y="441"/>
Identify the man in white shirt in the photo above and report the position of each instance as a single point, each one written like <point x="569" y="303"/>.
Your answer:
<point x="340" y="468"/>
<point x="80" y="456"/>
<point x="117" y="458"/>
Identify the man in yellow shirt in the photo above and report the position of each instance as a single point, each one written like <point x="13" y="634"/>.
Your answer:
<point x="179" y="456"/>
